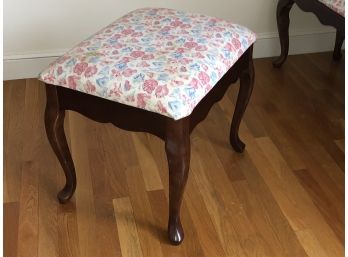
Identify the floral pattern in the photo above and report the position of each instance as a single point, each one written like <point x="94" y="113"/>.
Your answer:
<point x="160" y="60"/>
<point x="336" y="5"/>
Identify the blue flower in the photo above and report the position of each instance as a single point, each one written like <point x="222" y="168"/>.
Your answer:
<point x="71" y="62"/>
<point x="180" y="41"/>
<point x="201" y="40"/>
<point x="104" y="71"/>
<point x="191" y="92"/>
<point x="102" y="81"/>
<point x="195" y="66"/>
<point x="175" y="105"/>
<point x="227" y="53"/>
<point x="138" y="78"/>
<point x="150" y="49"/>
<point x="94" y="59"/>
<point x="93" y="48"/>
<point x="158" y="64"/>
<point x="121" y="65"/>
<point x="227" y="34"/>
<point x="146" y="39"/>
<point x="213" y="76"/>
<point x="163" y="77"/>
<point x="176" y="55"/>
<point x="127" y="50"/>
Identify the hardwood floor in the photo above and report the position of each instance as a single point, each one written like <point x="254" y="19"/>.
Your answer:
<point x="283" y="197"/>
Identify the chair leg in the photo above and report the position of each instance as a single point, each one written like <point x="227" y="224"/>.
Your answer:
<point x="283" y="22"/>
<point x="177" y="147"/>
<point x="246" y="87"/>
<point x="54" y="123"/>
<point x="338" y="45"/>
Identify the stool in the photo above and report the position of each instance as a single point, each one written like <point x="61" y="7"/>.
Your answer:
<point x="153" y="70"/>
<point x="329" y="12"/>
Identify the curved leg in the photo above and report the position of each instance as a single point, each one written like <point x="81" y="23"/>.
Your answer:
<point x="338" y="45"/>
<point x="54" y="123"/>
<point x="177" y="147"/>
<point x="283" y="21"/>
<point x="246" y="87"/>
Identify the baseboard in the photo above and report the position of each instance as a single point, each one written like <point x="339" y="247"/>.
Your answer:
<point x="29" y="65"/>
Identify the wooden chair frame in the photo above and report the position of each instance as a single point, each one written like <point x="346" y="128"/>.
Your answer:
<point x="175" y="133"/>
<point x="325" y="15"/>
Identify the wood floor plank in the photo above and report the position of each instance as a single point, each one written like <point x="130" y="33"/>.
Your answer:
<point x="147" y="229"/>
<point x="148" y="166"/>
<point x="294" y="201"/>
<point x="86" y="218"/>
<point x="126" y="226"/>
<point x="11" y="213"/>
<point x="13" y="140"/>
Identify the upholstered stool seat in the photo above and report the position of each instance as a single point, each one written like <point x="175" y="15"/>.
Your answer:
<point x="335" y="5"/>
<point x="153" y="70"/>
<point x="160" y="60"/>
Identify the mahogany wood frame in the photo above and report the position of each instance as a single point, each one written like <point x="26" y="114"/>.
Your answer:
<point x="175" y="133"/>
<point x="325" y="15"/>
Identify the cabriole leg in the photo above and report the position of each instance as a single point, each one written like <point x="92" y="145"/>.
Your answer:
<point x="177" y="147"/>
<point x="54" y="123"/>
<point x="246" y="77"/>
<point x="338" y="45"/>
<point x="283" y="22"/>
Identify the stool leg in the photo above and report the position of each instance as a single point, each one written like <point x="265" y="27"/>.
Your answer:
<point x="338" y="45"/>
<point x="54" y="123"/>
<point x="246" y="77"/>
<point x="283" y="22"/>
<point x="177" y="147"/>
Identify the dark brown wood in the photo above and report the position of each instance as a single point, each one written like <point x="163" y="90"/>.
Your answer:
<point x="246" y="76"/>
<point x="325" y="15"/>
<point x="177" y="147"/>
<point x="54" y="124"/>
<point x="338" y="45"/>
<point x="283" y="22"/>
<point x="176" y="134"/>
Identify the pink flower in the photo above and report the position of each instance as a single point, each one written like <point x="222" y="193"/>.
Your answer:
<point x="128" y="72"/>
<point x="185" y="26"/>
<point x="236" y="43"/>
<point x="148" y="56"/>
<point x="59" y="70"/>
<point x="161" y="108"/>
<point x="89" y="87"/>
<point x="115" y="73"/>
<point x="161" y="91"/>
<point x="72" y="81"/>
<point x="194" y="83"/>
<point x="80" y="67"/>
<point x="201" y="48"/>
<point x="190" y="44"/>
<point x="143" y="64"/>
<point x="137" y="34"/>
<point x="126" y="59"/>
<point x="150" y="85"/>
<point x="136" y="54"/>
<point x="176" y="23"/>
<point x="141" y="100"/>
<point x="90" y="71"/>
<point x="203" y="77"/>
<point x="127" y="31"/>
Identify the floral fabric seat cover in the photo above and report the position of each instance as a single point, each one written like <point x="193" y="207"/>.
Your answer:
<point x="160" y="60"/>
<point x="335" y="5"/>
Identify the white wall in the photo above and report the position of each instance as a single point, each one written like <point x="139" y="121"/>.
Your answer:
<point x="35" y="30"/>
